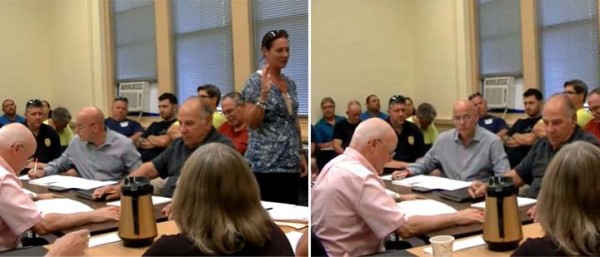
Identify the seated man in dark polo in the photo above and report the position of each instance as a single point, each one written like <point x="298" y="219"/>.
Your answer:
<point x="48" y="141"/>
<point x="343" y="130"/>
<point x="196" y="129"/>
<point x="410" y="138"/>
<point x="560" y="117"/>
<point x="520" y="136"/>
<point x="494" y="124"/>
<point x="119" y="122"/>
<point x="154" y="140"/>
<point x="95" y="152"/>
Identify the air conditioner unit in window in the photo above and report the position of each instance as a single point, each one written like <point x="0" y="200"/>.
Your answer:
<point x="501" y="92"/>
<point x="138" y="95"/>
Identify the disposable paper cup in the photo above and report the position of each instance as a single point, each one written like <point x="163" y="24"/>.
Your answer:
<point x="442" y="246"/>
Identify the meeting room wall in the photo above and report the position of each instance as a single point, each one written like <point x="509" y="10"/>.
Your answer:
<point x="52" y="51"/>
<point x="386" y="47"/>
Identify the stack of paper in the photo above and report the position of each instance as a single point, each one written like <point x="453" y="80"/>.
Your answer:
<point x="156" y="200"/>
<point x="293" y="237"/>
<point x="282" y="211"/>
<point x="61" y="205"/>
<point x="424" y="207"/>
<point x="70" y="182"/>
<point x="104" y="239"/>
<point x="521" y="202"/>
<point x="432" y="182"/>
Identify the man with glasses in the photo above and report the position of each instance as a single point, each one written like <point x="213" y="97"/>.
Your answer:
<point x="410" y="139"/>
<point x="211" y="96"/>
<point x="373" y="109"/>
<point x="352" y="213"/>
<point x="154" y="140"/>
<point x="577" y="92"/>
<point x="48" y="141"/>
<point x="95" y="152"/>
<point x="119" y="122"/>
<point x="468" y="152"/>
<point x="235" y="128"/>
<point x="594" y="102"/>
<point x="494" y="124"/>
<point x="10" y="113"/>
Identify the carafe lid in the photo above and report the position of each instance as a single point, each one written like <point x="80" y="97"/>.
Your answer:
<point x="501" y="187"/>
<point x="136" y="186"/>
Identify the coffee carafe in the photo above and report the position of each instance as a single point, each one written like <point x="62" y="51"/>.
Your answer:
<point x="502" y="226"/>
<point x="137" y="224"/>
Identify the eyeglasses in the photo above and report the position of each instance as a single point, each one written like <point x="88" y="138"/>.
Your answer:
<point x="204" y="96"/>
<point x="392" y="152"/>
<point x="34" y="102"/>
<point x="81" y="126"/>
<point x="465" y="118"/>
<point x="571" y="93"/>
<point x="397" y="99"/>
<point x="229" y="112"/>
<point x="121" y="98"/>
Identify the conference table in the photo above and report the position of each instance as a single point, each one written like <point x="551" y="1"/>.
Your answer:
<point x="456" y="231"/>
<point x="96" y="228"/>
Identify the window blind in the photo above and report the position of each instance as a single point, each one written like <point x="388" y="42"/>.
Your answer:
<point x="134" y="39"/>
<point x="202" y="45"/>
<point x="500" y="38"/>
<point x="291" y="15"/>
<point x="568" y="43"/>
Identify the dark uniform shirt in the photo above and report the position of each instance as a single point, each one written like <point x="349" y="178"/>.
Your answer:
<point x="522" y="126"/>
<point x="48" y="144"/>
<point x="411" y="144"/>
<point x="127" y="127"/>
<point x="533" y="167"/>
<point x="155" y="129"/>
<point x="171" y="160"/>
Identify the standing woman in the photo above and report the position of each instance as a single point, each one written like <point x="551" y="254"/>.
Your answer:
<point x="275" y="143"/>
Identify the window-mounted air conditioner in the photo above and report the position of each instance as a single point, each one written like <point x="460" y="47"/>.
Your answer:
<point x="138" y="95"/>
<point x="501" y="92"/>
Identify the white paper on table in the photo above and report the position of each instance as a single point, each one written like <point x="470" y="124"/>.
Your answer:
<point x="156" y="200"/>
<point x="386" y="177"/>
<point x="462" y="243"/>
<point x="432" y="182"/>
<point x="291" y="224"/>
<point x="61" y="205"/>
<point x="391" y="193"/>
<point x="24" y="177"/>
<point x="521" y="202"/>
<point x="293" y="237"/>
<point x="27" y="192"/>
<point x="104" y="239"/>
<point x="283" y="211"/>
<point x="70" y="182"/>
<point x="424" y="207"/>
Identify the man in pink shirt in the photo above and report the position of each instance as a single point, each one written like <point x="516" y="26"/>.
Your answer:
<point x="18" y="213"/>
<point x="351" y="212"/>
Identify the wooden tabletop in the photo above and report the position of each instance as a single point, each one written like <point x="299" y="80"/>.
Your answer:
<point x="96" y="228"/>
<point x="456" y="231"/>
<point x="164" y="228"/>
<point x="530" y="230"/>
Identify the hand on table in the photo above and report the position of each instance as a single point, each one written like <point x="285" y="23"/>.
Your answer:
<point x="469" y="216"/>
<point x="167" y="211"/>
<point x="72" y="244"/>
<point x="110" y="192"/>
<point x="400" y="174"/>
<point x="109" y="213"/>
<point x="408" y="197"/>
<point x="477" y="189"/>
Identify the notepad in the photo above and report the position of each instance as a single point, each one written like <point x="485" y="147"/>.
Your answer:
<point x="104" y="239"/>
<point x="61" y="205"/>
<point x="432" y="182"/>
<point x="24" y="177"/>
<point x="424" y="207"/>
<point x="462" y="243"/>
<point x="521" y="202"/>
<point x="291" y="224"/>
<point x="283" y="211"/>
<point x="156" y="200"/>
<point x="70" y="182"/>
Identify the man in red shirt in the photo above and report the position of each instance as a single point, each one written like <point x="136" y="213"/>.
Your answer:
<point x="235" y="128"/>
<point x="593" y="126"/>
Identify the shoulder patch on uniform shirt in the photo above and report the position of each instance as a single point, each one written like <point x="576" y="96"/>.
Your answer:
<point x="411" y="140"/>
<point x="47" y="142"/>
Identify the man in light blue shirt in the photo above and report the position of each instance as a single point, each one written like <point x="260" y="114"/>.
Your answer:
<point x="10" y="113"/>
<point x="373" y="109"/>
<point x="95" y="153"/>
<point x="468" y="152"/>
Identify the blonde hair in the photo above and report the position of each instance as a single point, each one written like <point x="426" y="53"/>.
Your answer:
<point x="217" y="202"/>
<point x="569" y="198"/>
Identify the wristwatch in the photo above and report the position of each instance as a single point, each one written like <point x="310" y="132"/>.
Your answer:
<point x="261" y="103"/>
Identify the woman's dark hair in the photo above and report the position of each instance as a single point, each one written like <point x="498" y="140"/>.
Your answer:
<point x="269" y="37"/>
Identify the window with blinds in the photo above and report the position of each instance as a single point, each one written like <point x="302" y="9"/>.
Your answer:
<point x="134" y="39"/>
<point x="568" y="43"/>
<point x="291" y="15"/>
<point x="202" y="45"/>
<point x="500" y="38"/>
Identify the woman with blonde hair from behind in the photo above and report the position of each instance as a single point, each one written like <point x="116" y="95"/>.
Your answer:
<point x="217" y="209"/>
<point x="567" y="208"/>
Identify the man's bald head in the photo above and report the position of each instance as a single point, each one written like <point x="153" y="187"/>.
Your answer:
<point x="17" y="144"/>
<point x="465" y="116"/>
<point x="353" y="112"/>
<point x="374" y="139"/>
<point x="562" y="103"/>
<point x="91" y="115"/>
<point x="463" y="106"/>
<point x="560" y="119"/>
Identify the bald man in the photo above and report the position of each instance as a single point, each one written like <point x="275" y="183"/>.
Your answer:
<point x="95" y="152"/>
<point x="468" y="152"/>
<point x="19" y="213"/>
<point x="196" y="130"/>
<point x="560" y="118"/>
<point x="352" y="213"/>
<point x="343" y="130"/>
